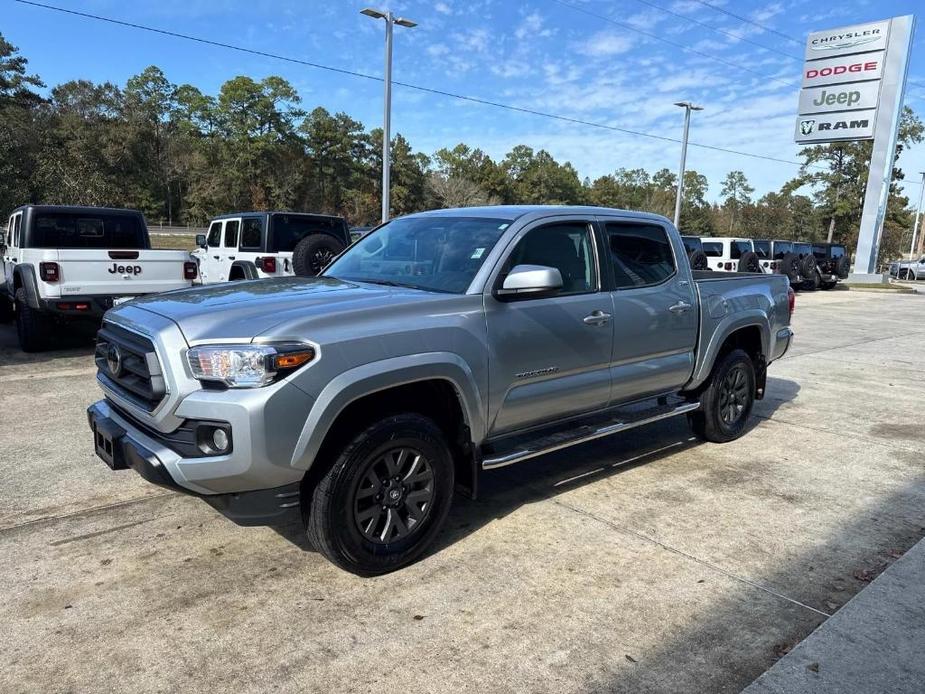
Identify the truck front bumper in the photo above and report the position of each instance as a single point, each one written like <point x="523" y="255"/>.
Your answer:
<point x="121" y="445"/>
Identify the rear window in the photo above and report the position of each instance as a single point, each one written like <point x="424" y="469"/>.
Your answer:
<point x="713" y="249"/>
<point x="691" y="243"/>
<point x="87" y="230"/>
<point x="837" y="251"/>
<point x="287" y="230"/>
<point x="737" y="248"/>
<point x="763" y="249"/>
<point x="781" y="248"/>
<point x="802" y="248"/>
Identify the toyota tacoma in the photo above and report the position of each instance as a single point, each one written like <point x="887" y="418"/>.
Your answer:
<point x="441" y="345"/>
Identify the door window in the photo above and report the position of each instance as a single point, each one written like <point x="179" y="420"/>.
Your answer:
<point x="251" y="234"/>
<point x="713" y="249"/>
<point x="231" y="233"/>
<point x="17" y="220"/>
<point x="640" y="253"/>
<point x="568" y="247"/>
<point x="215" y="235"/>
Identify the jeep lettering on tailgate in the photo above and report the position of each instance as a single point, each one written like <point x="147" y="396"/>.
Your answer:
<point x="125" y="269"/>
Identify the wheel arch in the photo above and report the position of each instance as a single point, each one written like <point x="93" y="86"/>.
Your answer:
<point x="246" y="268"/>
<point x="748" y="332"/>
<point x="24" y="278"/>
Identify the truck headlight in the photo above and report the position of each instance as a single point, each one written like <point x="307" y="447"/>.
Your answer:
<point x="247" y="366"/>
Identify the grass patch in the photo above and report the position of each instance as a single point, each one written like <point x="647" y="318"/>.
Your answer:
<point x="182" y="242"/>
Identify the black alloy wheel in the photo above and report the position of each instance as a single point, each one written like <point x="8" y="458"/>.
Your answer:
<point x="393" y="496"/>
<point x="733" y="395"/>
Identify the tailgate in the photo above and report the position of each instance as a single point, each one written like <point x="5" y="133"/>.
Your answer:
<point x="120" y="273"/>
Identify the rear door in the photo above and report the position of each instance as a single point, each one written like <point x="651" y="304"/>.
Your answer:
<point x="549" y="357"/>
<point x="210" y="257"/>
<point x="654" y="307"/>
<point x="11" y="249"/>
<point x="228" y="250"/>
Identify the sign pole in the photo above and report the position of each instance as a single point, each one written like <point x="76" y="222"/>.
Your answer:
<point x="886" y="132"/>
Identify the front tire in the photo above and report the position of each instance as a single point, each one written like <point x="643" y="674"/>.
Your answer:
<point x="727" y="402"/>
<point x="31" y="325"/>
<point x="385" y="498"/>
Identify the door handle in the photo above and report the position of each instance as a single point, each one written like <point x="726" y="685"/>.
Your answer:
<point x="597" y="318"/>
<point x="680" y="307"/>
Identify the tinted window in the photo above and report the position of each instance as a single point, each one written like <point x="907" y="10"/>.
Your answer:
<point x="252" y="234"/>
<point x="289" y="229"/>
<point x="231" y="233"/>
<point x="837" y="251"/>
<point x="737" y="248"/>
<point x="691" y="243"/>
<point x="215" y="235"/>
<point x="820" y="251"/>
<point x="435" y="253"/>
<point x="713" y="249"/>
<point x="87" y="230"/>
<point x="781" y="248"/>
<point x="763" y="249"/>
<point x="802" y="248"/>
<point x="567" y="247"/>
<point x="641" y="254"/>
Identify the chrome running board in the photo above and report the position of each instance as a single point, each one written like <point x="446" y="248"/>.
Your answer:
<point x="582" y="434"/>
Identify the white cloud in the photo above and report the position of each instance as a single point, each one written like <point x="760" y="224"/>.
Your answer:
<point x="604" y="43"/>
<point x="532" y="27"/>
<point x="443" y="8"/>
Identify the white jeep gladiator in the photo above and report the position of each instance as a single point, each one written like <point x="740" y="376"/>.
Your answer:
<point x="64" y="263"/>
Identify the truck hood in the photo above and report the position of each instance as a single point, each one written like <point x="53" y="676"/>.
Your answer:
<point x="245" y="310"/>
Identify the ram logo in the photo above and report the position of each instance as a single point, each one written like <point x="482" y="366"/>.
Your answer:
<point x="806" y="127"/>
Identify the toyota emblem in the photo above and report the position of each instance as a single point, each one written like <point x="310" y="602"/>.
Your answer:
<point x="114" y="360"/>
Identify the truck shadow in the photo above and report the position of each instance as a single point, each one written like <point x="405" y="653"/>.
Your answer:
<point x="503" y="491"/>
<point x="70" y="340"/>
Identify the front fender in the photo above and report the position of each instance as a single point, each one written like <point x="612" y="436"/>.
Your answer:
<point x="380" y="375"/>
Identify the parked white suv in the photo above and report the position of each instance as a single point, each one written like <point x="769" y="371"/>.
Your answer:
<point x="252" y="245"/>
<point x="73" y="263"/>
<point x="731" y="254"/>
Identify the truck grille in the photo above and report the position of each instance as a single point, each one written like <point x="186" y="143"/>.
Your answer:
<point x="127" y="363"/>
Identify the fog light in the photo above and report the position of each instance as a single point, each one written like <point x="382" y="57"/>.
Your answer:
<point x="220" y="440"/>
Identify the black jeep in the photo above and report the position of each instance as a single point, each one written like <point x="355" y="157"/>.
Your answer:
<point x="833" y="262"/>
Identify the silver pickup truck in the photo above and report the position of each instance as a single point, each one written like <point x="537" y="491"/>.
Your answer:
<point x="440" y="345"/>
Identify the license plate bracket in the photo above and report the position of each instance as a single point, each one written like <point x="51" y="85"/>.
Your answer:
<point x="107" y="441"/>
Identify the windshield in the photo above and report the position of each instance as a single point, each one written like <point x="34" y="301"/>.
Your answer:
<point x="87" y="230"/>
<point x="434" y="253"/>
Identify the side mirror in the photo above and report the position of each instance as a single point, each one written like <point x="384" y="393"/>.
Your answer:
<point x="530" y="282"/>
<point x="201" y="240"/>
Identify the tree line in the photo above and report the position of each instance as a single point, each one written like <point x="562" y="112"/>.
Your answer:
<point x="181" y="156"/>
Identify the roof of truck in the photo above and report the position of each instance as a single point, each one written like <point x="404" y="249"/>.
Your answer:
<point x="301" y="214"/>
<point x="513" y="212"/>
<point x="75" y="208"/>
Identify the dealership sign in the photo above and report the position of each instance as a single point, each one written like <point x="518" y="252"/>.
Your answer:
<point x="841" y="83"/>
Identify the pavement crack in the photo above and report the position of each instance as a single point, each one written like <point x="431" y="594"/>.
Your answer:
<point x="88" y="536"/>
<point x="682" y="553"/>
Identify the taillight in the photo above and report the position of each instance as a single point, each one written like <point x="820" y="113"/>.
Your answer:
<point x="791" y="300"/>
<point x="728" y="266"/>
<point x="267" y="264"/>
<point x="190" y="270"/>
<point x="49" y="272"/>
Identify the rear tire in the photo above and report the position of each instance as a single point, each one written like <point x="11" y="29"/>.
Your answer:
<point x="790" y="266"/>
<point x="385" y="498"/>
<point x="749" y="262"/>
<point x="727" y="401"/>
<point x="31" y="325"/>
<point x="313" y="253"/>
<point x="698" y="260"/>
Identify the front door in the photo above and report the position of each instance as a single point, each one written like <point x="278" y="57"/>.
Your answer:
<point x="549" y="357"/>
<point x="210" y="258"/>
<point x="229" y="248"/>
<point x="654" y="308"/>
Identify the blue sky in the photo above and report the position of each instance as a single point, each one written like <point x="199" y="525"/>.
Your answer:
<point x="537" y="54"/>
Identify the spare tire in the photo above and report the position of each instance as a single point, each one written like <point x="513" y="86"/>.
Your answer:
<point x="790" y="266"/>
<point x="749" y="262"/>
<point x="843" y="267"/>
<point x="312" y="254"/>
<point x="698" y="260"/>
<point x="808" y="266"/>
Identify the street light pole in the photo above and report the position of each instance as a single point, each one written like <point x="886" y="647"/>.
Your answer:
<point x="390" y="21"/>
<point x="688" y="107"/>
<point x="918" y="216"/>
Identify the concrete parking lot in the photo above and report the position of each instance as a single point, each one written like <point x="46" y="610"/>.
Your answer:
<point x="647" y="562"/>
